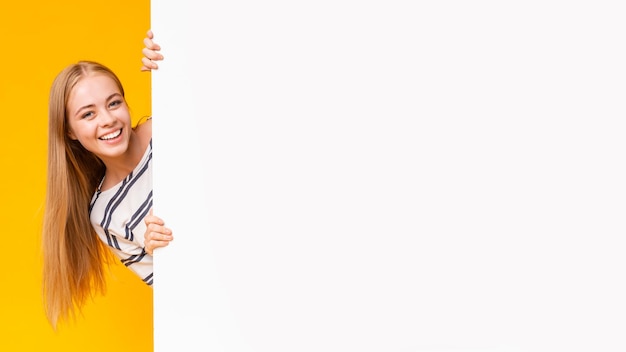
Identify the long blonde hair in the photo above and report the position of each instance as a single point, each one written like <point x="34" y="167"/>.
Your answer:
<point x="73" y="256"/>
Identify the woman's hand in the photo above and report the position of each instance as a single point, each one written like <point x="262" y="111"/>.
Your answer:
<point x="150" y="53"/>
<point x="157" y="235"/>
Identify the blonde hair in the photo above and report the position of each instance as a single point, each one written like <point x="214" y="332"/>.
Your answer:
<point x="74" y="258"/>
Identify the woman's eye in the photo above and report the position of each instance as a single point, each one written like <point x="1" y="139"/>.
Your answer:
<point x="88" y="115"/>
<point x="115" y="103"/>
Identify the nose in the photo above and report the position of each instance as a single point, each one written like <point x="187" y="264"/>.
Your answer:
<point x="105" y="118"/>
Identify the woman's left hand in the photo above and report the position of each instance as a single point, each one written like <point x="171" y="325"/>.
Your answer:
<point x="150" y="53"/>
<point x="157" y="235"/>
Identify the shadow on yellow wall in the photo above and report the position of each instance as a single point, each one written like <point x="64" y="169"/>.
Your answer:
<point x="38" y="39"/>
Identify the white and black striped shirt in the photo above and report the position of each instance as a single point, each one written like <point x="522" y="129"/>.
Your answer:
<point x="117" y="215"/>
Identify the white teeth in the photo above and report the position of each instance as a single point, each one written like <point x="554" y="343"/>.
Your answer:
<point x="111" y="135"/>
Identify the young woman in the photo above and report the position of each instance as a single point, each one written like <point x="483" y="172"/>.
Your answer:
<point x="99" y="191"/>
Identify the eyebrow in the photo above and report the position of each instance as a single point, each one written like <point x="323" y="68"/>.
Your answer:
<point x="92" y="105"/>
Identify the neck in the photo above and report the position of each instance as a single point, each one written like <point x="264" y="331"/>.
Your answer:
<point x="118" y="168"/>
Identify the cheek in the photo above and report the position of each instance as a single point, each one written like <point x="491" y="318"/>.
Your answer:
<point x="123" y="114"/>
<point x="80" y="130"/>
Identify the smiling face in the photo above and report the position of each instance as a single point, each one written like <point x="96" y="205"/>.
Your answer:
<point x="98" y="117"/>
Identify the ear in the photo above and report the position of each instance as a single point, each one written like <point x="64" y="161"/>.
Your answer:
<point x="71" y="135"/>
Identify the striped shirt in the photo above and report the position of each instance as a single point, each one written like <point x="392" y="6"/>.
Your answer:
<point x="117" y="216"/>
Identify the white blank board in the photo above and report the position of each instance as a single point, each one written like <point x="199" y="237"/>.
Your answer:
<point x="390" y="176"/>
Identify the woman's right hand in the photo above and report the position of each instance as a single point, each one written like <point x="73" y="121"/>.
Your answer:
<point x="150" y="53"/>
<point x="157" y="235"/>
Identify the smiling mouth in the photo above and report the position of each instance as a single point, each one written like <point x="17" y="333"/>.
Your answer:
<point x="111" y="135"/>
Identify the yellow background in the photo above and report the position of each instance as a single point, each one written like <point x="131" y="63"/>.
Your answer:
<point x="37" y="40"/>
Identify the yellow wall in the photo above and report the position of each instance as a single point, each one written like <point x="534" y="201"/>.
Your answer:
<point x="38" y="39"/>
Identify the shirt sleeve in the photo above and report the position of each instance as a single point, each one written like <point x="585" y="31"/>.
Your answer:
<point x="131" y="252"/>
